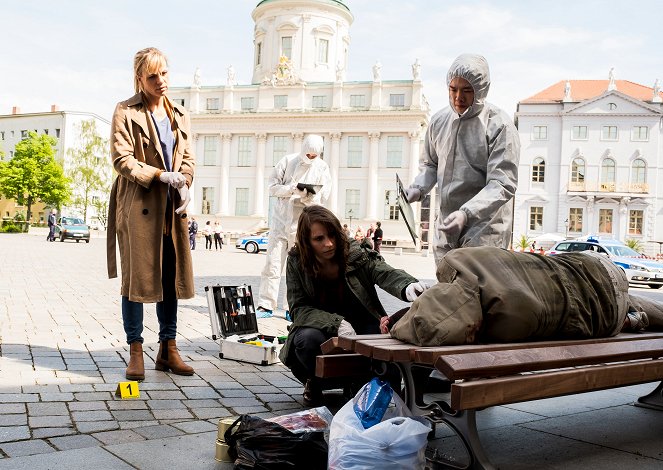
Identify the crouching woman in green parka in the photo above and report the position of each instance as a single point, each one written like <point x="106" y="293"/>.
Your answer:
<point x="331" y="291"/>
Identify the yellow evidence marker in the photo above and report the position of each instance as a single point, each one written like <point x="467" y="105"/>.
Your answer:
<point x="127" y="390"/>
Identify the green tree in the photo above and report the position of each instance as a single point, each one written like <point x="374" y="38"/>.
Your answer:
<point x="89" y="169"/>
<point x="634" y="244"/>
<point x="33" y="175"/>
<point x="523" y="243"/>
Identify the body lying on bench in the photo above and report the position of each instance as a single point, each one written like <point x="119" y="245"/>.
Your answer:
<point x="484" y="375"/>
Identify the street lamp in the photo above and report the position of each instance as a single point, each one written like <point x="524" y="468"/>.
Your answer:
<point x="566" y="226"/>
<point x="350" y="217"/>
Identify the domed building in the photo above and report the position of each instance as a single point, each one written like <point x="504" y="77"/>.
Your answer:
<point x="372" y="129"/>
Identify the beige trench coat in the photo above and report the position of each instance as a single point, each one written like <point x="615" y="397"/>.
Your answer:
<point x="137" y="207"/>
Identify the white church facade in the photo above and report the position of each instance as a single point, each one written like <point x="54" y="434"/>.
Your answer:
<point x="591" y="162"/>
<point x="372" y="129"/>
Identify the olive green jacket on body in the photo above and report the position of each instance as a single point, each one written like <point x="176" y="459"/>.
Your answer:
<point x="365" y="269"/>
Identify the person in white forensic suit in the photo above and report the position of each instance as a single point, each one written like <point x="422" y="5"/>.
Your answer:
<point x="471" y="151"/>
<point x="305" y="167"/>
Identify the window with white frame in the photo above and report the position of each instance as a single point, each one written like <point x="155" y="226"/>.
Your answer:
<point x="578" y="170"/>
<point x="323" y="51"/>
<point x="24" y="134"/>
<point x="280" y="101"/>
<point x="605" y="220"/>
<point x="45" y="132"/>
<point x="286" y="46"/>
<point x="258" y="53"/>
<point x="607" y="171"/>
<point x="394" y="151"/>
<point x="638" y="171"/>
<point x="57" y="133"/>
<point x="355" y="148"/>
<point x="575" y="219"/>
<point x="357" y="101"/>
<point x="209" y="150"/>
<point x="179" y="101"/>
<point x="247" y="103"/>
<point x="244" y="150"/>
<point x="2" y="135"/>
<point x="640" y="133"/>
<point x="241" y="201"/>
<point x="612" y="106"/>
<point x="319" y="102"/>
<point x="352" y="203"/>
<point x="397" y="100"/>
<point x="579" y="133"/>
<point x="609" y="133"/>
<point x="538" y="170"/>
<point x="540" y="133"/>
<point x="390" y="205"/>
<point x="536" y="218"/>
<point x="212" y="104"/>
<point x="280" y="148"/>
<point x="635" y="222"/>
<point x="208" y="201"/>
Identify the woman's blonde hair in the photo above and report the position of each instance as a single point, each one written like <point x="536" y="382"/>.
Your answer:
<point x="147" y="61"/>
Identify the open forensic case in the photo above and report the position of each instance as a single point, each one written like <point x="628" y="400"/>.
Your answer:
<point x="234" y="324"/>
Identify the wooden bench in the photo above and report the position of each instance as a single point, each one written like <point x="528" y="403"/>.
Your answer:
<point x="484" y="375"/>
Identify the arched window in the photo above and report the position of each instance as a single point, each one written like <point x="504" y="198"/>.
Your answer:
<point x="608" y="171"/>
<point x="638" y="171"/>
<point x="538" y="170"/>
<point x="578" y="170"/>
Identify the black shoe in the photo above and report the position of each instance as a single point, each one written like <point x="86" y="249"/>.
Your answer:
<point x="312" y="394"/>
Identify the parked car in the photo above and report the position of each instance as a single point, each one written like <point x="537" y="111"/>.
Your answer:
<point x="639" y="270"/>
<point x="252" y="243"/>
<point x="73" y="228"/>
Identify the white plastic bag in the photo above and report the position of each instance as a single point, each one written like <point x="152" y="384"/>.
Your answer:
<point x="397" y="442"/>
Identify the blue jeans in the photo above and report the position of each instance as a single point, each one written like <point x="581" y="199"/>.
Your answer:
<point x="132" y="312"/>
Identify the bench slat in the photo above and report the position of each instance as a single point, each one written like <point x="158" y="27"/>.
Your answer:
<point x="348" y="342"/>
<point x="429" y="355"/>
<point x="366" y="346"/>
<point x="342" y="365"/>
<point x="331" y="347"/>
<point x="512" y="389"/>
<point x="507" y="362"/>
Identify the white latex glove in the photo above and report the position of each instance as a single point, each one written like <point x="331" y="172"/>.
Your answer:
<point x="345" y="329"/>
<point x="173" y="178"/>
<point x="414" y="290"/>
<point x="413" y="194"/>
<point x="186" y="198"/>
<point x="454" y="222"/>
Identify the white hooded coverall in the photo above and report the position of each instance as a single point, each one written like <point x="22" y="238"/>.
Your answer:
<point x="290" y="170"/>
<point x="473" y="158"/>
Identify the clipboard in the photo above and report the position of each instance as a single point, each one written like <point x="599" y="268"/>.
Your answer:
<point x="405" y="209"/>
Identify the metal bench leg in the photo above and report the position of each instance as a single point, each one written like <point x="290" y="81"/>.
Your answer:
<point x="654" y="400"/>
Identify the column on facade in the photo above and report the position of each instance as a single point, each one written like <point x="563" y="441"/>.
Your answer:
<point x="228" y="98"/>
<point x="194" y="106"/>
<point x="224" y="190"/>
<point x="297" y="138"/>
<point x="193" y="208"/>
<point x="376" y="96"/>
<point x="417" y="94"/>
<point x="333" y="162"/>
<point x="337" y="97"/>
<point x="259" y="202"/>
<point x="623" y="218"/>
<point x="414" y="156"/>
<point x="373" y="160"/>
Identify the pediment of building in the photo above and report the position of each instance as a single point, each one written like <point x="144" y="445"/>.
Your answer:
<point x="622" y="104"/>
<point x="538" y="198"/>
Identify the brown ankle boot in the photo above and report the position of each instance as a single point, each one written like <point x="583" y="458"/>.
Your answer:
<point x="136" y="367"/>
<point x="169" y="359"/>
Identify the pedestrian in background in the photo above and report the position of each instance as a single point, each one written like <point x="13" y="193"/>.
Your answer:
<point x="208" y="232"/>
<point x="52" y="222"/>
<point x="471" y="151"/>
<point x="193" y="231"/>
<point x="218" y="236"/>
<point x="151" y="152"/>
<point x="377" y="237"/>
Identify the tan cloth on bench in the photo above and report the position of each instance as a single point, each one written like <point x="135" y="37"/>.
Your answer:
<point x="487" y="294"/>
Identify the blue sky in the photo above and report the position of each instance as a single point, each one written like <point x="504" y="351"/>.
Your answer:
<point x="78" y="53"/>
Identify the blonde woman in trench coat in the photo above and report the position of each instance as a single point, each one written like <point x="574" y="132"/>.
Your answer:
<point x="151" y="152"/>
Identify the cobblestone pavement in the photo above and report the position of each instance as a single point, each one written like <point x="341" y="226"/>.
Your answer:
<point x="63" y="352"/>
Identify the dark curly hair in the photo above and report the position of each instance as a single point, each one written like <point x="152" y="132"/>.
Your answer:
<point x="325" y="217"/>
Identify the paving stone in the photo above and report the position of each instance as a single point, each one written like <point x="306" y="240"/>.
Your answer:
<point x="240" y="410"/>
<point x="11" y="408"/>
<point x="236" y="393"/>
<point x="234" y="402"/>
<point x="47" y="409"/>
<point x="31" y="447"/>
<point x="227" y="384"/>
<point x="18" y="397"/>
<point x="118" y="437"/>
<point x="249" y="379"/>
<point x="79" y="441"/>
<point x="87" y="427"/>
<point x="13" y="419"/>
<point x="76" y="388"/>
<point x="127" y="405"/>
<point x="92" y="396"/>
<point x="105" y="387"/>
<point x="56" y="396"/>
<point x="194" y="427"/>
<point x="14" y="433"/>
<point x="280" y="406"/>
<point x="207" y="413"/>
<point x="199" y="392"/>
<point x="138" y="424"/>
<point x="145" y="386"/>
<point x="132" y="415"/>
<point x="260" y="389"/>
<point x="49" y="421"/>
<point x="208" y="403"/>
<point x="40" y="433"/>
<point x="165" y="395"/>
<point x="166" y="404"/>
<point x="40" y="389"/>
<point x="86" y="405"/>
<point x="274" y="397"/>
<point x="172" y="414"/>
<point x="158" y="432"/>
<point x="95" y="415"/>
